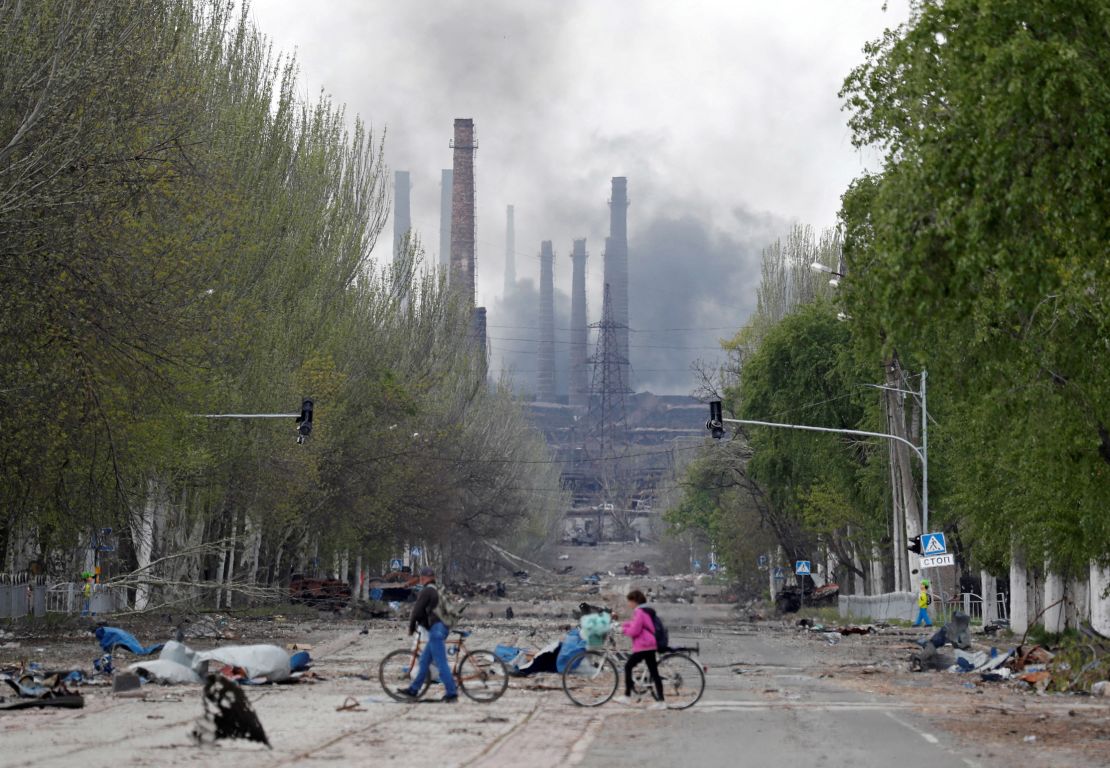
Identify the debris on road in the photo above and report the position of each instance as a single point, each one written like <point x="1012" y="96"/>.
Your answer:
<point x="111" y="638"/>
<point x="227" y="714"/>
<point x="36" y="690"/>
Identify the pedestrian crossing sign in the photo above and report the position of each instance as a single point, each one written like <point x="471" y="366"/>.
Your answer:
<point x="933" y="544"/>
<point x="801" y="568"/>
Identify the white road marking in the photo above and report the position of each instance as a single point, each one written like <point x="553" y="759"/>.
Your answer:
<point x="927" y="736"/>
<point x="830" y="706"/>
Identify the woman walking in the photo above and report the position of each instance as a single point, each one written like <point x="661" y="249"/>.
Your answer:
<point x="641" y="628"/>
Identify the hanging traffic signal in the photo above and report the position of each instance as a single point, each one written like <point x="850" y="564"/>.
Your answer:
<point x="715" y="424"/>
<point x="914" y="545"/>
<point x="304" y="422"/>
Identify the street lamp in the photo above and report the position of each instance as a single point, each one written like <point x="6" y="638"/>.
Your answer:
<point x="834" y="281"/>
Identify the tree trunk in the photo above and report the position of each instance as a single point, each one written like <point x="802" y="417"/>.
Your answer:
<point x="1019" y="600"/>
<point x="356" y="587"/>
<point x="143" y="527"/>
<point x="230" y="580"/>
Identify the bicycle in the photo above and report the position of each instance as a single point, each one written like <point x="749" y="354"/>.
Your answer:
<point x="480" y="674"/>
<point x="591" y="677"/>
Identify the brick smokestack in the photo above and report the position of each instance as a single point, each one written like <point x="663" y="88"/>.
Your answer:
<point x="579" y="385"/>
<point x="616" y="269"/>
<point x="445" y="184"/>
<point x="462" y="208"/>
<point x="545" y="376"/>
<point x="510" y="251"/>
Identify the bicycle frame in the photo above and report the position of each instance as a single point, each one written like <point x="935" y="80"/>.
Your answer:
<point x="460" y="652"/>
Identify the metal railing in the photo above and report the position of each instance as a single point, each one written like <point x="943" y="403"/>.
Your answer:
<point x="25" y="595"/>
<point x="973" y="605"/>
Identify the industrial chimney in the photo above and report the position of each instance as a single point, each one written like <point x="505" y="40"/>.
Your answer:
<point x="462" y="208"/>
<point x="445" y="218"/>
<point x="510" y="252"/>
<point x="579" y="388"/>
<point x="402" y="217"/>
<point x="545" y="377"/>
<point x="616" y="269"/>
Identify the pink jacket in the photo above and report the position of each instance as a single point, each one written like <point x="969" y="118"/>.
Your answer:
<point x="642" y="631"/>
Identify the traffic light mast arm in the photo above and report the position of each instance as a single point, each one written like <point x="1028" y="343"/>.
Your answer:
<point x="248" y="415"/>
<point x="805" y="427"/>
<point x="717" y="421"/>
<point x="303" y="419"/>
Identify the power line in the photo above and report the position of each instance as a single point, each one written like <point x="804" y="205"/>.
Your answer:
<point x="638" y="370"/>
<point x="631" y="330"/>
<point x="530" y="462"/>
<point x="638" y="346"/>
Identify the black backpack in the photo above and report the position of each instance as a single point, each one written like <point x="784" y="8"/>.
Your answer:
<point x="662" y="642"/>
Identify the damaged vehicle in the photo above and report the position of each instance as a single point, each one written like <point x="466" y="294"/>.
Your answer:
<point x="791" y="598"/>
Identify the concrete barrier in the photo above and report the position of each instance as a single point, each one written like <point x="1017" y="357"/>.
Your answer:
<point x="892" y="605"/>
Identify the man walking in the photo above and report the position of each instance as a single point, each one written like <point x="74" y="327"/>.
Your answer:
<point x="923" y="600"/>
<point x="424" y="614"/>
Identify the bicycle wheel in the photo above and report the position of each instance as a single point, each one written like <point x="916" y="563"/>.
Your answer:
<point x="397" y="671"/>
<point x="482" y="676"/>
<point x="683" y="680"/>
<point x="590" y="679"/>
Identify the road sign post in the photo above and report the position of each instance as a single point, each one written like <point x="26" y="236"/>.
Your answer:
<point x="802" y="568"/>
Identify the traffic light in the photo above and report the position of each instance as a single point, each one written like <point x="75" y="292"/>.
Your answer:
<point x="715" y="424"/>
<point x="914" y="545"/>
<point x="304" y="422"/>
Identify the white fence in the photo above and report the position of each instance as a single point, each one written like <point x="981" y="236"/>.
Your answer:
<point x="22" y="595"/>
<point x="892" y="605"/>
<point x="903" y="605"/>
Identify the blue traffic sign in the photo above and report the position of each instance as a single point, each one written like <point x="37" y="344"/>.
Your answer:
<point x="395" y="564"/>
<point x="777" y="573"/>
<point x="801" y="568"/>
<point x="712" y="567"/>
<point x="697" y="565"/>
<point x="933" y="544"/>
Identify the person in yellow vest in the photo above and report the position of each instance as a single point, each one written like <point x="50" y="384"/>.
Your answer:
<point x="923" y="600"/>
<point x="86" y="592"/>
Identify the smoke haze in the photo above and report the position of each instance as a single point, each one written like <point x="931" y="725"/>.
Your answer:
<point x="723" y="116"/>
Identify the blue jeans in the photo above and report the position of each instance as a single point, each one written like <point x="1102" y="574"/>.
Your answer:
<point x="923" y="618"/>
<point x="435" y="650"/>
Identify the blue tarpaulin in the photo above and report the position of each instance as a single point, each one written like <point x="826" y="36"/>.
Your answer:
<point x="507" y="653"/>
<point x="572" y="645"/>
<point x="114" y="637"/>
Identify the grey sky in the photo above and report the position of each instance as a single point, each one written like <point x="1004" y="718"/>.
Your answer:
<point x="723" y="116"/>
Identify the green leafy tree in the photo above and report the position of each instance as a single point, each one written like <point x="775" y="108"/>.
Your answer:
<point x="979" y="251"/>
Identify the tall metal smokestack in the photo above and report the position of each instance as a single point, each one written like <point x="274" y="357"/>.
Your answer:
<point x="579" y="385"/>
<point x="402" y="216"/>
<point x="616" y="269"/>
<point x="510" y="251"/>
<point x="402" y="225"/>
<point x="462" y="208"/>
<point x="445" y="218"/>
<point x="545" y="377"/>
